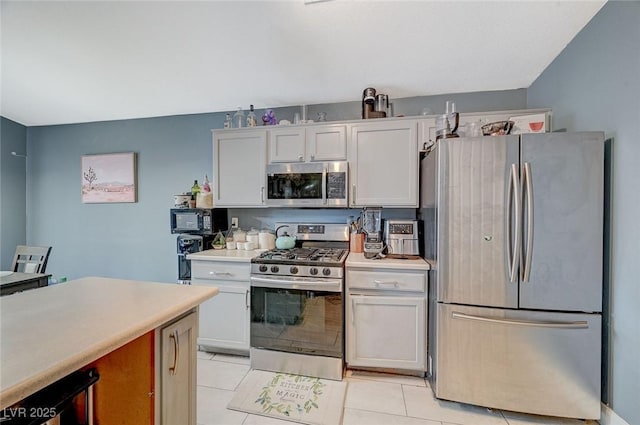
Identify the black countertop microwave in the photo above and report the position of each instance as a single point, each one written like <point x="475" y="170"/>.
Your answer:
<point x="198" y="221"/>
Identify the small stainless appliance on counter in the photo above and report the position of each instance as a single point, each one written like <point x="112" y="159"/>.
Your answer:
<point x="402" y="237"/>
<point x="372" y="225"/>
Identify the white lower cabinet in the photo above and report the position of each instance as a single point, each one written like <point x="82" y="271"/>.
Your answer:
<point x="178" y="371"/>
<point x="386" y="315"/>
<point x="224" y="319"/>
<point x="386" y="331"/>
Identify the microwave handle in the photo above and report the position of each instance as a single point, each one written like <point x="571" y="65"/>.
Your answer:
<point x="324" y="186"/>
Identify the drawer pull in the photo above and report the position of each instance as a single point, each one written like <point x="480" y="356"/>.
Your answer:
<point x="176" y="349"/>
<point x="387" y="282"/>
<point x="221" y="273"/>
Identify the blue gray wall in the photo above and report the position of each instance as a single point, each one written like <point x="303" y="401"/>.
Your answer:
<point x="13" y="138"/>
<point x="595" y="85"/>
<point x="133" y="240"/>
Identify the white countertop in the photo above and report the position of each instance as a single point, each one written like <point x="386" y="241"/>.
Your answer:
<point x="358" y="260"/>
<point x="50" y="332"/>
<point x="239" y="255"/>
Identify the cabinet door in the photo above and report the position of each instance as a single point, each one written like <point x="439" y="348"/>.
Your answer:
<point x="327" y="143"/>
<point x="239" y="159"/>
<point x="178" y="375"/>
<point x="398" y="321"/>
<point x="224" y="319"/>
<point x="287" y="144"/>
<point x="383" y="157"/>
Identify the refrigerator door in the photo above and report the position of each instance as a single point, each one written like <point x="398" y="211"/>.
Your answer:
<point x="563" y="180"/>
<point x="477" y="218"/>
<point x="526" y="361"/>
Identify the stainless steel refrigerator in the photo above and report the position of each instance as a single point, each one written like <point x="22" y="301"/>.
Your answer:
<point x="514" y="232"/>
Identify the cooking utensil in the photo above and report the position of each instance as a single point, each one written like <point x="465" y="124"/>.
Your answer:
<point x="285" y="241"/>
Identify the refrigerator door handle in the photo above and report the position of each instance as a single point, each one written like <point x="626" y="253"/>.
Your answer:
<point x="529" y="186"/>
<point x="581" y="324"/>
<point x="513" y="198"/>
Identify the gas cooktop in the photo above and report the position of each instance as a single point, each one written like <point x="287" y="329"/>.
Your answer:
<point x="320" y="252"/>
<point x="326" y="256"/>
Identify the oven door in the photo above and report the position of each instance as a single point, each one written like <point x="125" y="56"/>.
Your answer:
<point x="297" y="315"/>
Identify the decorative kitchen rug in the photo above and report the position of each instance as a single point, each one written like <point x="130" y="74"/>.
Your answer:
<point x="294" y="398"/>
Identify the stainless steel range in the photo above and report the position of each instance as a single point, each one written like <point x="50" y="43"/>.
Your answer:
<point x="297" y="303"/>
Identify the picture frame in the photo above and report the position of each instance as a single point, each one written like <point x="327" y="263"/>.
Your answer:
<point x="109" y="178"/>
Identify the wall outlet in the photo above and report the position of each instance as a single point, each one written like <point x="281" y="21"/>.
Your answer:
<point x="234" y="221"/>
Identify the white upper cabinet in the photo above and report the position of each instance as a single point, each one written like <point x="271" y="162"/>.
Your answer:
<point x="327" y="143"/>
<point x="239" y="161"/>
<point x="302" y="144"/>
<point x="287" y="144"/>
<point x="383" y="161"/>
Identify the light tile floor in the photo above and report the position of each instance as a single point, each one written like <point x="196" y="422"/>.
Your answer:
<point x="372" y="399"/>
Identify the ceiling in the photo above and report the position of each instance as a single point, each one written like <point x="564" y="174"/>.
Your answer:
<point x="81" y="61"/>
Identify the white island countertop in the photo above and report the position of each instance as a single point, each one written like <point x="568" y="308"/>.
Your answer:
<point x="238" y="255"/>
<point x="357" y="260"/>
<point x="50" y="332"/>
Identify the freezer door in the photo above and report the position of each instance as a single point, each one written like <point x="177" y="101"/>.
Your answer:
<point x="477" y="220"/>
<point x="563" y="180"/>
<point x="525" y="361"/>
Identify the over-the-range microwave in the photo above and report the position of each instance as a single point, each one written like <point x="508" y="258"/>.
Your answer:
<point x="308" y="184"/>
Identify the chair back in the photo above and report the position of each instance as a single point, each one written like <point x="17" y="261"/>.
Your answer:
<point x="31" y="259"/>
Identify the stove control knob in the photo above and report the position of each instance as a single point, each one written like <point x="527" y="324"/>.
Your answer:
<point x="293" y="270"/>
<point x="326" y="271"/>
<point x="263" y="268"/>
<point x="274" y="269"/>
<point x="313" y="271"/>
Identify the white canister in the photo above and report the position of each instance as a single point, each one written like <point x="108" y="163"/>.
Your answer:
<point x="252" y="236"/>
<point x="267" y="239"/>
<point x="249" y="246"/>
<point x="231" y="245"/>
<point x="239" y="235"/>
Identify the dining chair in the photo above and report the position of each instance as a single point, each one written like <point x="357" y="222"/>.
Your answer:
<point x="31" y="259"/>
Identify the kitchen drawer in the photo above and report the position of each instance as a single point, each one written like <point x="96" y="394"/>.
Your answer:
<point x="389" y="280"/>
<point x="220" y="270"/>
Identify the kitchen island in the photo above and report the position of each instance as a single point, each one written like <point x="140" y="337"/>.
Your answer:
<point x="48" y="333"/>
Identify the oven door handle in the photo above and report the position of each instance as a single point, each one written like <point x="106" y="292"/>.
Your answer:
<point x="305" y="284"/>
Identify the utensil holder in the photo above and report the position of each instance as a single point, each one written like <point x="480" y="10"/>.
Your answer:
<point x="356" y="242"/>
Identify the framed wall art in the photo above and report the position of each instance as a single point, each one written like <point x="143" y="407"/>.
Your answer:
<point x="108" y="178"/>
